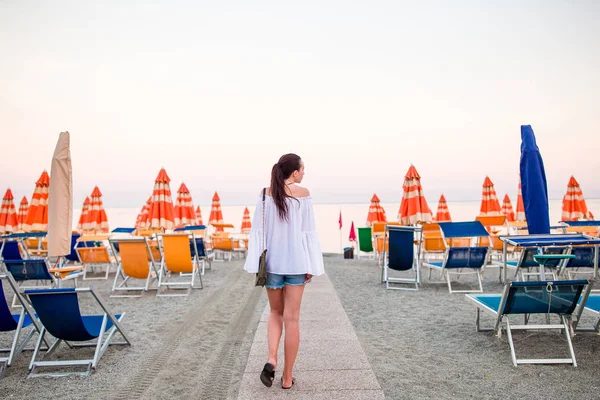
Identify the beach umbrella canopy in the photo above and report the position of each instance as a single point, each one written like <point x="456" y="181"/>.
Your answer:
<point x="352" y="236"/>
<point x="199" y="216"/>
<point x="184" y="208"/>
<point x="507" y="209"/>
<point x="246" y="222"/>
<point x="142" y="218"/>
<point x="490" y="206"/>
<point x="534" y="185"/>
<point x="161" y="208"/>
<point x="520" y="214"/>
<point x="8" y="214"/>
<point x="60" y="200"/>
<point x="376" y="212"/>
<point x="413" y="207"/>
<point x="216" y="215"/>
<point x="574" y="205"/>
<point x="83" y="224"/>
<point x="37" y="215"/>
<point x="442" y="214"/>
<point x="22" y="214"/>
<point x="97" y="218"/>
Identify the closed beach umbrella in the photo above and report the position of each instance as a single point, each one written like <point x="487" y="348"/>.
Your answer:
<point x="352" y="236"/>
<point x="199" y="216"/>
<point x="37" y="215"/>
<point x="97" y="215"/>
<point x="60" y="200"/>
<point x="216" y="215"/>
<point x="507" y="209"/>
<point x="534" y="185"/>
<point x="142" y="218"/>
<point x="184" y="208"/>
<point x="413" y="207"/>
<point x="574" y="205"/>
<point x="8" y="214"/>
<point x="246" y="222"/>
<point x="376" y="212"/>
<point x="490" y="206"/>
<point x="83" y="224"/>
<point x="520" y="214"/>
<point x="442" y="214"/>
<point x="161" y="207"/>
<point x="22" y="214"/>
<point x="589" y="216"/>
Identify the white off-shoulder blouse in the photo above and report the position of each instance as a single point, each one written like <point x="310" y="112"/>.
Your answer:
<point x="293" y="246"/>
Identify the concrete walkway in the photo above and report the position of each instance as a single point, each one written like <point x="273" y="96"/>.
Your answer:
<point x="331" y="363"/>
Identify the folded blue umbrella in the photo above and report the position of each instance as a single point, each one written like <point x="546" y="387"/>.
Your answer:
<point x="533" y="184"/>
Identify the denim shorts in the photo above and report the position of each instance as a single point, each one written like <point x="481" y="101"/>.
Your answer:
<point x="278" y="281"/>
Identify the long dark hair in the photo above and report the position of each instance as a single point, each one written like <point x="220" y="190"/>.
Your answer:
<point x="285" y="167"/>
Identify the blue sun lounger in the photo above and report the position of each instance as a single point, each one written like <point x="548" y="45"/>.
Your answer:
<point x="461" y="260"/>
<point x="15" y="323"/>
<point x="59" y="313"/>
<point x="527" y="261"/>
<point x="401" y="256"/>
<point x="547" y="298"/>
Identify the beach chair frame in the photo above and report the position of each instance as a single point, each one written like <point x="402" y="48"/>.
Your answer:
<point x="405" y="235"/>
<point x="502" y="321"/>
<point x="448" y="267"/>
<point x="92" y="257"/>
<point x="121" y="281"/>
<point x="592" y="304"/>
<point x="166" y="275"/>
<point x="100" y="342"/>
<point x="17" y="325"/>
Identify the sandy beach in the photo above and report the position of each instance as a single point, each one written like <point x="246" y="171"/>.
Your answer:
<point x="419" y="344"/>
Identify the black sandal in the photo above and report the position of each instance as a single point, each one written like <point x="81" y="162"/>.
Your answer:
<point x="293" y="381"/>
<point x="267" y="375"/>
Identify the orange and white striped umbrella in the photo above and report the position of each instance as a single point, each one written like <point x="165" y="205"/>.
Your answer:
<point x="161" y="208"/>
<point x="199" y="216"/>
<point x="216" y="215"/>
<point x="141" y="221"/>
<point x="413" y="206"/>
<point x="376" y="212"/>
<point x="184" y="208"/>
<point x="490" y="206"/>
<point x="507" y="209"/>
<point x="574" y="205"/>
<point x="442" y="214"/>
<point x="83" y="223"/>
<point x="8" y="214"/>
<point x="98" y="221"/>
<point x="37" y="215"/>
<point x="520" y="215"/>
<point x="246" y="222"/>
<point x="22" y="214"/>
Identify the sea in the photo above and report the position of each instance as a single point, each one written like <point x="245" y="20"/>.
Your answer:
<point x="332" y="238"/>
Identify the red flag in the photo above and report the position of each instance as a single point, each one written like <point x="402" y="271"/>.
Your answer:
<point x="340" y="220"/>
<point x="352" y="236"/>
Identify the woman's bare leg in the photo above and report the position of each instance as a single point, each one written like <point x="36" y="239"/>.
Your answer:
<point x="275" y="324"/>
<point x="291" y="319"/>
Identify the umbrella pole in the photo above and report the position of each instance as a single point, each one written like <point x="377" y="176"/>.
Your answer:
<point x="341" y="245"/>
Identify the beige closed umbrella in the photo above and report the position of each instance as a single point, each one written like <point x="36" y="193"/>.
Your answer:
<point x="60" y="199"/>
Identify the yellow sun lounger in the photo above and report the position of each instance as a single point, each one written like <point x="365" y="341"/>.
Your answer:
<point x="135" y="262"/>
<point x="93" y="254"/>
<point x="179" y="265"/>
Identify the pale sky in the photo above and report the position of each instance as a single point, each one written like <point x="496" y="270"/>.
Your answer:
<point x="216" y="91"/>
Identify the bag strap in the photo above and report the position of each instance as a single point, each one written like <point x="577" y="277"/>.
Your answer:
<point x="264" y="240"/>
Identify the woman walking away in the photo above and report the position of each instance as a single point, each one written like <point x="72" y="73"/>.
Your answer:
<point x="293" y="258"/>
